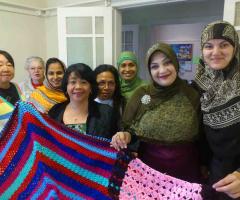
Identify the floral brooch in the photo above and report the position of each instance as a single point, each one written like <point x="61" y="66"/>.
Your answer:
<point x="146" y="99"/>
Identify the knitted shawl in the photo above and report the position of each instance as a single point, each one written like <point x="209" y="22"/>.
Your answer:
<point x="44" y="98"/>
<point x="41" y="159"/>
<point x="175" y="112"/>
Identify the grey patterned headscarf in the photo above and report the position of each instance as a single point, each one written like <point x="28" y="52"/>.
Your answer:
<point x="220" y="88"/>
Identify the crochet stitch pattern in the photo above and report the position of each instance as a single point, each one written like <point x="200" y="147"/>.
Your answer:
<point x="143" y="182"/>
<point x="41" y="159"/>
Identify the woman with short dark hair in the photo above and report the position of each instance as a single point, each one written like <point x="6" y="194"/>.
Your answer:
<point x="80" y="112"/>
<point x="9" y="92"/>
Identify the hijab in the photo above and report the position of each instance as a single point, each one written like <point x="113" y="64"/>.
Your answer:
<point x="46" y="81"/>
<point x="148" y="97"/>
<point x="221" y="88"/>
<point x="128" y="87"/>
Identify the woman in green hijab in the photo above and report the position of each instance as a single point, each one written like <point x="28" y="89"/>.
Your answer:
<point x="164" y="115"/>
<point x="128" y="71"/>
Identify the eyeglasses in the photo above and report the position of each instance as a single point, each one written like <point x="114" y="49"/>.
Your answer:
<point x="104" y="84"/>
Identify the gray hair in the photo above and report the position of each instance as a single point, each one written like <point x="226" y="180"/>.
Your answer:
<point x="29" y="60"/>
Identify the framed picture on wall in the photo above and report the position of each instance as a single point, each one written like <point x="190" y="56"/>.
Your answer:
<point x="184" y="54"/>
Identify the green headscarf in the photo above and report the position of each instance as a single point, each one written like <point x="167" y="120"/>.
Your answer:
<point x="128" y="87"/>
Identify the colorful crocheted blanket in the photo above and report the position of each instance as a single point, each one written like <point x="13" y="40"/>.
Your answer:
<point x="41" y="159"/>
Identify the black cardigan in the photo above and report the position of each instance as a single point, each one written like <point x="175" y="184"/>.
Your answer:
<point x="101" y="121"/>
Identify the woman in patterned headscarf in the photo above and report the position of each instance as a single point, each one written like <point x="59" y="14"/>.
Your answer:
<point x="164" y="114"/>
<point x="128" y="71"/>
<point x="218" y="78"/>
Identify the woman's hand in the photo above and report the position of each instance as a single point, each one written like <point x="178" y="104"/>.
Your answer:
<point x="120" y="140"/>
<point x="229" y="185"/>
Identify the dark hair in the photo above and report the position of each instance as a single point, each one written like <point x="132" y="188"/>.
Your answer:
<point x="54" y="60"/>
<point x="8" y="57"/>
<point x="82" y="71"/>
<point x="117" y="96"/>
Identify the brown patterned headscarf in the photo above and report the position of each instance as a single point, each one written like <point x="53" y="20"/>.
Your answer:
<point x="220" y="87"/>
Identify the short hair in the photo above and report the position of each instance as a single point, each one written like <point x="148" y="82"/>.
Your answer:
<point x="117" y="96"/>
<point x="82" y="71"/>
<point x="29" y="60"/>
<point x="54" y="60"/>
<point x="7" y="56"/>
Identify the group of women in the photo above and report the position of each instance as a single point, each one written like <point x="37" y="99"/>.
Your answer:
<point x="175" y="128"/>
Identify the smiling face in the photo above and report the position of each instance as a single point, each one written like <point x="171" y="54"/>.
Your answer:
<point x="127" y="70"/>
<point x="217" y="53"/>
<point x="106" y="85"/>
<point x="78" y="89"/>
<point x="162" y="69"/>
<point x="6" y="71"/>
<point x="55" y="75"/>
<point x="36" y="71"/>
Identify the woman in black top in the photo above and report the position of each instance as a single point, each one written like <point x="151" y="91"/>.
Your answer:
<point x="218" y="78"/>
<point x="80" y="111"/>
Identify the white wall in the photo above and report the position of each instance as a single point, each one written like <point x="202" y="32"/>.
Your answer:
<point x="22" y="36"/>
<point x="51" y="36"/>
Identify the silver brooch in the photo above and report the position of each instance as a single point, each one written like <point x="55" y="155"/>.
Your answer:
<point x="146" y="99"/>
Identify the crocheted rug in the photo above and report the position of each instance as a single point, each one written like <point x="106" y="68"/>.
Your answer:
<point x="41" y="159"/>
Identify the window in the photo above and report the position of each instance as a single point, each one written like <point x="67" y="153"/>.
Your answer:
<point x="130" y="38"/>
<point x="84" y="36"/>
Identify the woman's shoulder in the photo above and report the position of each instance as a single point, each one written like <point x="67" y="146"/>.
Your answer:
<point x="59" y="106"/>
<point x="56" y="112"/>
<point x="140" y="91"/>
<point x="191" y="89"/>
<point x="191" y="92"/>
<point x="57" y="109"/>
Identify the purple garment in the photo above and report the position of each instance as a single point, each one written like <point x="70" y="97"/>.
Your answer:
<point x="178" y="160"/>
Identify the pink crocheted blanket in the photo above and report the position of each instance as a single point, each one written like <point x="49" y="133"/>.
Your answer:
<point x="143" y="182"/>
